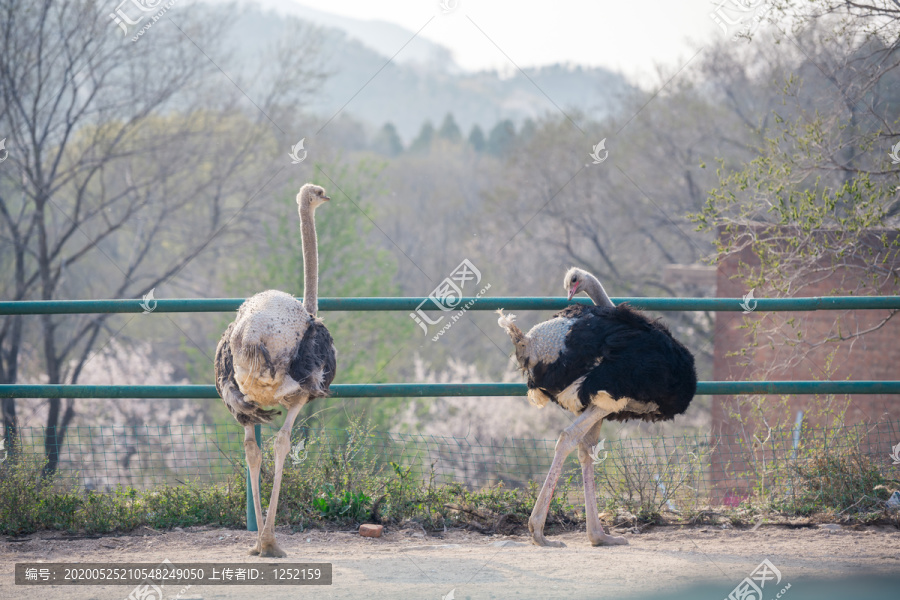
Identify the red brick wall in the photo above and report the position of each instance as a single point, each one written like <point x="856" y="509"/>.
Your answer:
<point x="875" y="355"/>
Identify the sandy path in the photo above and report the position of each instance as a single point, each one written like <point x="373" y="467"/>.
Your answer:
<point x="407" y="564"/>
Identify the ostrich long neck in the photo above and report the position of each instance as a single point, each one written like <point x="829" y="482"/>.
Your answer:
<point x="594" y="289"/>
<point x="310" y="260"/>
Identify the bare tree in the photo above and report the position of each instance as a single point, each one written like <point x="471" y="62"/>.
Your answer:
<point x="820" y="195"/>
<point x="621" y="215"/>
<point x="817" y="209"/>
<point x="127" y="159"/>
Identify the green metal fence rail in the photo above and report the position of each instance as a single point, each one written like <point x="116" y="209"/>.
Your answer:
<point x="35" y="307"/>
<point x="430" y="390"/>
<point x="42" y="307"/>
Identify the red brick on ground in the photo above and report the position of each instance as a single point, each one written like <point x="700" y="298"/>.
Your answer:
<point x="368" y="530"/>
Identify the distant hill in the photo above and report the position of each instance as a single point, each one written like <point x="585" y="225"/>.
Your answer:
<point x="422" y="82"/>
<point x="380" y="36"/>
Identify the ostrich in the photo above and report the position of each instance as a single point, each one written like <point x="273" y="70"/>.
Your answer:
<point x="599" y="362"/>
<point x="276" y="352"/>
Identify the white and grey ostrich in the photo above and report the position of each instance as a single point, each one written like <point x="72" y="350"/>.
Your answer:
<point x="277" y="353"/>
<point x="599" y="362"/>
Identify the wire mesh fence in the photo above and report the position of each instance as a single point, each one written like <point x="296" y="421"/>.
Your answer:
<point x="664" y="471"/>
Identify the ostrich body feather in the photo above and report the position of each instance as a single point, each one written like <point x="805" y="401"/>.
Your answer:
<point x="273" y="352"/>
<point x="610" y="356"/>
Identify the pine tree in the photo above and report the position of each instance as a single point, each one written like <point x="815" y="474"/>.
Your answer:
<point x="422" y="143"/>
<point x="476" y="138"/>
<point x="387" y="141"/>
<point x="450" y="130"/>
<point x="501" y="137"/>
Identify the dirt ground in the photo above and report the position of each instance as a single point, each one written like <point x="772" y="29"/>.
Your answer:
<point x="409" y="564"/>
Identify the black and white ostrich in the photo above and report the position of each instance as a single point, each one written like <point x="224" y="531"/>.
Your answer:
<point x="600" y="362"/>
<point x="277" y="353"/>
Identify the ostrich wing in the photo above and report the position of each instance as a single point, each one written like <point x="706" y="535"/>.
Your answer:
<point x="314" y="363"/>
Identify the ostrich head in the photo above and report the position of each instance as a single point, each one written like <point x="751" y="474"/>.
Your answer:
<point x="311" y="196"/>
<point x="578" y="280"/>
<point x="575" y="281"/>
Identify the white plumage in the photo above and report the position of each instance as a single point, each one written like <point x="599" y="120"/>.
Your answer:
<point x="549" y="339"/>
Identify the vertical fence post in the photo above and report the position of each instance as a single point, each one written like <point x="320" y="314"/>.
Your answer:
<point x="251" y="510"/>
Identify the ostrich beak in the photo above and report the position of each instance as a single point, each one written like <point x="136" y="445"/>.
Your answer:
<point x="573" y="290"/>
<point x="326" y="198"/>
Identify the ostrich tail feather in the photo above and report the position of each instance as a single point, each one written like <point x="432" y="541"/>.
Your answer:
<point x="505" y="321"/>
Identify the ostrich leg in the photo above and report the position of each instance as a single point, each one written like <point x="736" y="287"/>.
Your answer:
<point x="267" y="544"/>
<point x="254" y="460"/>
<point x="568" y="441"/>
<point x="594" y="528"/>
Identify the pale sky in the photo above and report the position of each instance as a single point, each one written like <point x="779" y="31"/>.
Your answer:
<point x="624" y="35"/>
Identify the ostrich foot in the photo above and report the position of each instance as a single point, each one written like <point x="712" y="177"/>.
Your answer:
<point x="538" y="539"/>
<point x="254" y="551"/>
<point x="607" y="540"/>
<point x="270" y="548"/>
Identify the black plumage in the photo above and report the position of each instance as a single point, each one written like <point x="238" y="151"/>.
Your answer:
<point x="315" y="354"/>
<point x="638" y="359"/>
